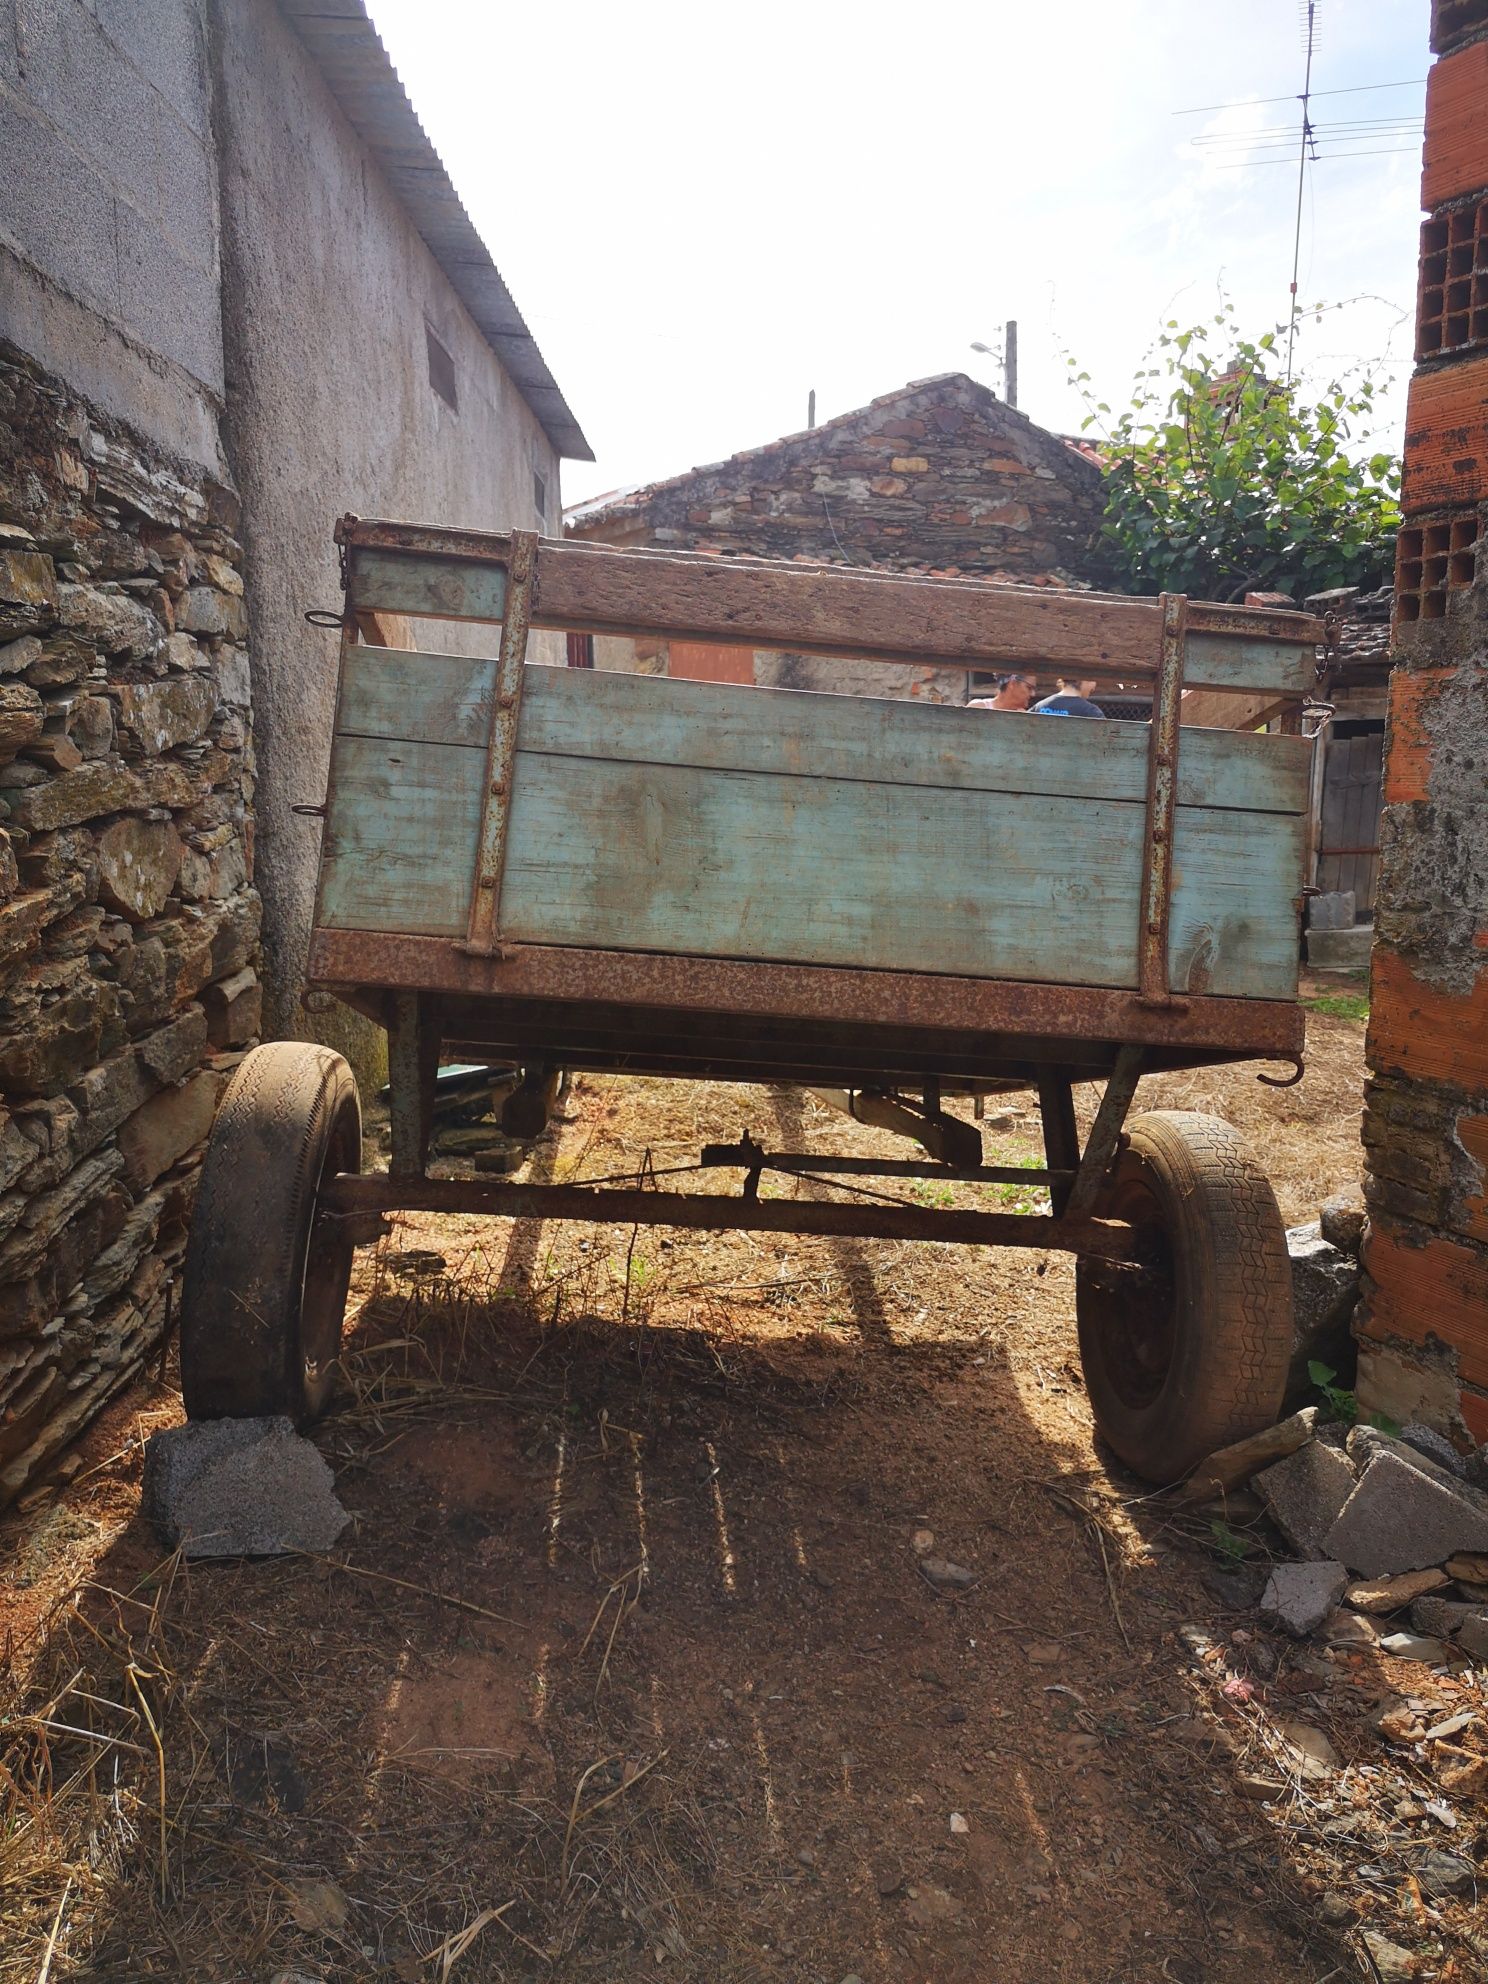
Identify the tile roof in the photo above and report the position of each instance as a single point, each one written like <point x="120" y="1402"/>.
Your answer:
<point x="615" y="504"/>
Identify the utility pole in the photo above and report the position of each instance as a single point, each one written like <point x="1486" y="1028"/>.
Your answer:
<point x="1010" y="362"/>
<point x="811" y="408"/>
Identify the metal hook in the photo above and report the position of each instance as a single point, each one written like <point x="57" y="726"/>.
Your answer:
<point x="1291" y="1081"/>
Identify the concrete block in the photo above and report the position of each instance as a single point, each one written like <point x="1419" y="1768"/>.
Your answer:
<point x="1305" y="1493"/>
<point x="1400" y="1518"/>
<point x="1299" y="1597"/>
<point x="1449" y="1618"/>
<point x="1340" y="950"/>
<point x="1334" y="910"/>
<point x="240" y="1488"/>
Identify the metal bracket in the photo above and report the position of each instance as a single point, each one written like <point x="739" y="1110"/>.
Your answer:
<point x="481" y="933"/>
<point x="1104" y="1140"/>
<point x="1162" y="802"/>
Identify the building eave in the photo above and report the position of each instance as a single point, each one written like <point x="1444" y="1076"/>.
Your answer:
<point x="346" y="48"/>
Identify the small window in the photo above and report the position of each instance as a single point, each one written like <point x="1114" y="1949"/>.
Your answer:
<point x="441" y="370"/>
<point x="540" y="496"/>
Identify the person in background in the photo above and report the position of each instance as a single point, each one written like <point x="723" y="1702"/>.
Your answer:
<point x="1067" y="701"/>
<point x="1014" y="692"/>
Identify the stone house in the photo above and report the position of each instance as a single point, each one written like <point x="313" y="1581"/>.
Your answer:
<point x="238" y="297"/>
<point x="940" y="478"/>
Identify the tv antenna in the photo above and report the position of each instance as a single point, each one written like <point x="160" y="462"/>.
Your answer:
<point x="1307" y="150"/>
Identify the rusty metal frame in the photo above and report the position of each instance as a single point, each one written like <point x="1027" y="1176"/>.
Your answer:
<point x="1105" y="1134"/>
<point x="413" y="1063"/>
<point x="1162" y="802"/>
<point x="355" y="1197"/>
<point x="482" y="935"/>
<point x="967" y="1009"/>
<point x="746" y="1156"/>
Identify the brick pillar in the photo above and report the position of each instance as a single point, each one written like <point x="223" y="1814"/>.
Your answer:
<point x="1423" y="1323"/>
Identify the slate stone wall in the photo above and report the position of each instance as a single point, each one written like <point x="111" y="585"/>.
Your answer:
<point x="128" y="919"/>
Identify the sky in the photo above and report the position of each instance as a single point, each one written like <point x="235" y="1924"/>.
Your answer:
<point x="705" y="213"/>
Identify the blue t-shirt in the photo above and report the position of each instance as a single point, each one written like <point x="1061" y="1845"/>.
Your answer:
<point x="1067" y="704"/>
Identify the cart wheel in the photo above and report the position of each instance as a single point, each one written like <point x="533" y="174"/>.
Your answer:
<point x="1190" y="1350"/>
<point x="263" y="1292"/>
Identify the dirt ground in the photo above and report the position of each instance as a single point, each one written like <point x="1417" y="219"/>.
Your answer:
<point x="628" y="1667"/>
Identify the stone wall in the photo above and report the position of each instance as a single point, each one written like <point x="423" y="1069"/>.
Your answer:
<point x="128" y="920"/>
<point x="1424" y="1318"/>
<point x="940" y="477"/>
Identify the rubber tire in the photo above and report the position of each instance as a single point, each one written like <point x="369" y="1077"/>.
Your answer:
<point x="1195" y="1354"/>
<point x="263" y="1292"/>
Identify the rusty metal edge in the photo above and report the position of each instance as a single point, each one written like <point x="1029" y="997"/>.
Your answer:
<point x="710" y="1212"/>
<point x="1261" y="1028"/>
<point x="1162" y="799"/>
<point x="482" y="935"/>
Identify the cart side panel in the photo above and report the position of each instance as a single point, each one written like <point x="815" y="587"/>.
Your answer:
<point x="711" y="820"/>
<point x="847" y="871"/>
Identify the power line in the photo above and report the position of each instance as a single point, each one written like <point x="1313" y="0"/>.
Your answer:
<point x="1321" y="158"/>
<point x="1246" y="103"/>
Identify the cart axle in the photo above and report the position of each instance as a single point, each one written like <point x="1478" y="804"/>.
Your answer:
<point x="380" y="1192"/>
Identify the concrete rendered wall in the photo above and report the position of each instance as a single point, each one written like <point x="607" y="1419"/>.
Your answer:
<point x="108" y="211"/>
<point x="327" y="293"/>
<point x="1423" y="1323"/>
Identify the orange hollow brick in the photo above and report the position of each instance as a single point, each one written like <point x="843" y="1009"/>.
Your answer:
<point x="1416" y="1029"/>
<point x="1436" y="1289"/>
<point x="1455" y="152"/>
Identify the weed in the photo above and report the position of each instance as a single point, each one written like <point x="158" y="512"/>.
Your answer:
<point x="1340" y="1005"/>
<point x="1343" y="1404"/>
<point x="1229" y="1546"/>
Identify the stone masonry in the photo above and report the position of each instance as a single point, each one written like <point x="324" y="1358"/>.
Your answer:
<point x="940" y="477"/>
<point x="128" y="920"/>
<point x="1424" y="1317"/>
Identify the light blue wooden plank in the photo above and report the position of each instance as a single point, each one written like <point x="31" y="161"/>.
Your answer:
<point x="426" y="588"/>
<point x="1238" y="661"/>
<point x="826" y="871"/>
<point x="430" y="698"/>
<point x="399" y="847"/>
<point x="723" y="726"/>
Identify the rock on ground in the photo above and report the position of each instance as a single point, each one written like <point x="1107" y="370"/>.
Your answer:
<point x="1305" y="1493"/>
<point x="1402" y="1517"/>
<point x="240" y="1488"/>
<point x="1299" y="1597"/>
<point x="1390" y="1594"/>
<point x="1325" y="1287"/>
<point x="1231" y="1466"/>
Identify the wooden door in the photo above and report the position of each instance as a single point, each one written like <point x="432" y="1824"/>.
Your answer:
<point x="1348" y="841"/>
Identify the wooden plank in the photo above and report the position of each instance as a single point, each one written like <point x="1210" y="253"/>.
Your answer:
<point x="426" y="698"/>
<point x="427" y="588"/>
<point x="399" y="846"/>
<point x="727" y="727"/>
<point x="722" y="727"/>
<point x="1215" y="710"/>
<point x="1232" y="662"/>
<point x="825" y="609"/>
<point x="826" y="871"/>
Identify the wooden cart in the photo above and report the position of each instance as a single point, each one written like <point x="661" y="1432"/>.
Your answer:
<point x="896" y="902"/>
